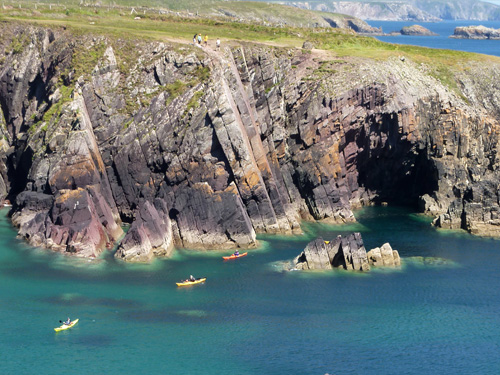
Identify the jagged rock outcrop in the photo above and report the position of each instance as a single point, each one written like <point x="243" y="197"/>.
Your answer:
<point x="347" y="252"/>
<point x="74" y="221"/>
<point x="475" y="32"/>
<point x="149" y="235"/>
<point x="351" y="23"/>
<point x="384" y="256"/>
<point x="224" y="145"/>
<point x="343" y="252"/>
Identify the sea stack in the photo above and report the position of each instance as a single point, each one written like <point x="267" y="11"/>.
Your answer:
<point x="416" y="30"/>
<point x="475" y="32"/>
<point x="345" y="252"/>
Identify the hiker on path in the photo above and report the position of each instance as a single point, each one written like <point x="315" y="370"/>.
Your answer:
<point x="199" y="38"/>
<point x="217" y="44"/>
<point x="206" y="40"/>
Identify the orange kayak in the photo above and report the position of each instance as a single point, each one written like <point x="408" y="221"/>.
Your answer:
<point x="232" y="256"/>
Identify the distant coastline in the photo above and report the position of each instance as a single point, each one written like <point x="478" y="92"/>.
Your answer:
<point x="444" y="30"/>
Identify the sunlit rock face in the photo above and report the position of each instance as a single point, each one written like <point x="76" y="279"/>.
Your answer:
<point x="200" y="149"/>
<point x="345" y="252"/>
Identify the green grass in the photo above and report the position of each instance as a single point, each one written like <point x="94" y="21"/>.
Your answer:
<point x="119" y="24"/>
<point x="170" y="27"/>
<point x="84" y="60"/>
<point x="194" y="102"/>
<point x="55" y="109"/>
<point x="174" y="90"/>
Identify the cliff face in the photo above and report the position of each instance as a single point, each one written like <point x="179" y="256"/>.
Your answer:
<point x="380" y="10"/>
<point x="409" y="10"/>
<point x="204" y="149"/>
<point x="460" y="9"/>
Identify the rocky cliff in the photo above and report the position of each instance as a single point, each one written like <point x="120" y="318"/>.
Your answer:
<point x="202" y="149"/>
<point x="367" y="10"/>
<point x="408" y="10"/>
<point x="459" y="9"/>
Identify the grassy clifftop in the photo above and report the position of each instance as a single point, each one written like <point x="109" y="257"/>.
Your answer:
<point x="247" y="11"/>
<point x="169" y="26"/>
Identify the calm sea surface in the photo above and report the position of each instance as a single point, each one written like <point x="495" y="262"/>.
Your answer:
<point x="444" y="29"/>
<point x="436" y="318"/>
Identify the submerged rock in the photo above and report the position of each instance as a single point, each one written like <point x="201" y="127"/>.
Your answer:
<point x="430" y="261"/>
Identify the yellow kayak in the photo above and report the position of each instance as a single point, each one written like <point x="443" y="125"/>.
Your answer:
<point x="187" y="282"/>
<point x="66" y="326"/>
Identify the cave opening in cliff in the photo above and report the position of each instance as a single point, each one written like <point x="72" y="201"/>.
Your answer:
<point x="395" y="171"/>
<point x="399" y="182"/>
<point x="18" y="166"/>
<point x="37" y="91"/>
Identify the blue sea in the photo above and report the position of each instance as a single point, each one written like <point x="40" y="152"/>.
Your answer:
<point x="438" y="314"/>
<point x="444" y="30"/>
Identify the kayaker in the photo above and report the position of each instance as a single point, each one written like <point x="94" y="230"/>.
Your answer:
<point x="68" y="321"/>
<point x="236" y="253"/>
<point x="191" y="278"/>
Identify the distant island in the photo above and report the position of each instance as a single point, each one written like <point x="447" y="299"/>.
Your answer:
<point x="414" y="30"/>
<point x="475" y="32"/>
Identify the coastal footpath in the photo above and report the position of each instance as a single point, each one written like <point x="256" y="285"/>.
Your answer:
<point x="201" y="148"/>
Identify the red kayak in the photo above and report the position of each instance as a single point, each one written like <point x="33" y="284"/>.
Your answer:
<point x="232" y="256"/>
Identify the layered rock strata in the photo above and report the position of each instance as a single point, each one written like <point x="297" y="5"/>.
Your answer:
<point x="346" y="252"/>
<point x="343" y="252"/>
<point x="202" y="149"/>
<point x="149" y="235"/>
<point x="384" y="256"/>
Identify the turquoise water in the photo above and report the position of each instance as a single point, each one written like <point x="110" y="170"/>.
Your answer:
<point x="444" y="30"/>
<point x="249" y="318"/>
